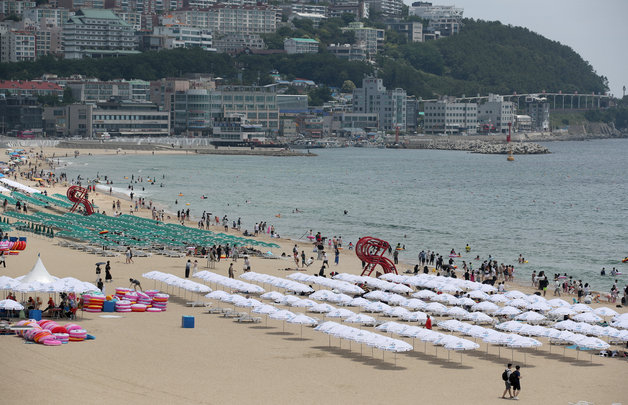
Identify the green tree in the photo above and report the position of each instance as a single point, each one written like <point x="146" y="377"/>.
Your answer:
<point x="318" y="96"/>
<point x="347" y="86"/>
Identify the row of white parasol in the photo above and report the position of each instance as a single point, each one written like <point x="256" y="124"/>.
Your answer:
<point x="340" y="285"/>
<point x="178" y="282"/>
<point x="289" y="285"/>
<point x="361" y="336"/>
<point x="67" y="284"/>
<point x="237" y="285"/>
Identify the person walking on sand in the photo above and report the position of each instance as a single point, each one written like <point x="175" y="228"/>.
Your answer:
<point x="129" y="255"/>
<point x="188" y="265"/>
<point x="108" y="278"/>
<point x="231" y="271"/>
<point x="506" y="377"/>
<point x="428" y="323"/>
<point x="336" y="256"/>
<point x="195" y="267"/>
<point x="515" y="381"/>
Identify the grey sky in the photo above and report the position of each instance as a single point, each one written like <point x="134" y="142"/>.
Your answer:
<point x="597" y="30"/>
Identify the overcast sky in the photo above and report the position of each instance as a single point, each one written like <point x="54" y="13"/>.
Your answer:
<point x="596" y="29"/>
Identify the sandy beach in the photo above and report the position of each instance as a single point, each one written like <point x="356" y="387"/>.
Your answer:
<point x="147" y="358"/>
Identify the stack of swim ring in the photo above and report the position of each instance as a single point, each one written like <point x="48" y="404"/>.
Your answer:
<point x="121" y="292"/>
<point x="131" y="296"/>
<point x="62" y="337"/>
<point x="152" y="309"/>
<point x="143" y="298"/>
<point x="160" y="301"/>
<point x="138" y="308"/>
<point x="151" y="293"/>
<point x="77" y="335"/>
<point x="93" y="303"/>
<point x="123" y="306"/>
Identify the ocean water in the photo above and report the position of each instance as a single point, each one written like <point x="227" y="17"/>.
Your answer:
<point x="564" y="212"/>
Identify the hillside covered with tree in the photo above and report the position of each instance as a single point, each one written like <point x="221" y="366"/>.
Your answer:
<point x="485" y="57"/>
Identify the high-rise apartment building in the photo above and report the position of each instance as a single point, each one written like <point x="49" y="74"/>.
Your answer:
<point x="389" y="105"/>
<point x="97" y="33"/>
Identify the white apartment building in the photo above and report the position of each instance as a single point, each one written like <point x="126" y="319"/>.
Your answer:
<point x="97" y="33"/>
<point x="225" y="19"/>
<point x="369" y="37"/>
<point x="22" y="46"/>
<point x="444" y="20"/>
<point x="389" y="105"/>
<point x="388" y="8"/>
<point x="300" y="45"/>
<point x="184" y="37"/>
<point x="49" y="16"/>
<point x="496" y="113"/>
<point x="15" y="7"/>
<point x="449" y="117"/>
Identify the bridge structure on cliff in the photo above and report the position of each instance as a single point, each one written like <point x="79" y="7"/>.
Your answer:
<point x="557" y="101"/>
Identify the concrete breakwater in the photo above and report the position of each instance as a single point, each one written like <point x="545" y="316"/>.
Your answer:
<point x="477" y="146"/>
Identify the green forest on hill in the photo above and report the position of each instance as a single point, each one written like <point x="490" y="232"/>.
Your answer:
<point x="485" y="57"/>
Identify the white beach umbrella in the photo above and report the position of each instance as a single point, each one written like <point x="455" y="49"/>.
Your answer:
<point x="424" y="294"/>
<point x="218" y="295"/>
<point x="507" y="311"/>
<point x="449" y="288"/>
<point x="396" y="312"/>
<point x="396" y="299"/>
<point x="485" y="306"/>
<point x="414" y="304"/>
<point x="265" y="309"/>
<point x="514" y="294"/>
<point x="377" y="295"/>
<point x="561" y="311"/>
<point x="565" y="325"/>
<point x="530" y="316"/>
<point x="583" y="327"/>
<point x="401" y="289"/>
<point x="359" y="302"/>
<point x="461" y="344"/>
<point x="476" y="331"/>
<point x="288" y="300"/>
<point x="415" y="317"/>
<point x="282" y="315"/>
<point x="487" y="288"/>
<point x="535" y="298"/>
<point x="321" y="308"/>
<point x="510" y="326"/>
<point x="272" y="295"/>
<point x="539" y="306"/>
<point x="340" y="313"/>
<point x="303" y="320"/>
<point x="445" y="299"/>
<point x="588" y="317"/>
<point x="321" y="295"/>
<point x="362" y="319"/>
<point x="342" y="299"/>
<point x="248" y="303"/>
<point x="518" y="303"/>
<point x="11" y="305"/>
<point x="458" y="313"/>
<point x="593" y="343"/>
<point x="581" y="308"/>
<point x="479" y="295"/>
<point x="605" y="311"/>
<point x="450" y="324"/>
<point x="376" y="306"/>
<point x="480" y="317"/>
<point x="622" y="323"/>
<point x="391" y="327"/>
<point x="435" y="308"/>
<point x="558" y="303"/>
<point x="464" y="302"/>
<point x="304" y="303"/>
<point x="498" y="298"/>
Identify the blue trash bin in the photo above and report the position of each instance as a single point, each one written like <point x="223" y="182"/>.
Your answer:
<point x="35" y="314"/>
<point x="187" y="322"/>
<point x="108" y="306"/>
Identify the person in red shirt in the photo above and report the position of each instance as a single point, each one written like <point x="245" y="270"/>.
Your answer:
<point x="428" y="323"/>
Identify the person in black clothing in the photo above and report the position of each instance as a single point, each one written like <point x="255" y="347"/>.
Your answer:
<point x="108" y="277"/>
<point x="515" y="381"/>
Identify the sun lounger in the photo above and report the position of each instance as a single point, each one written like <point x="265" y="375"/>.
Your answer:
<point x="215" y="310"/>
<point x="194" y="304"/>
<point x="249" y="318"/>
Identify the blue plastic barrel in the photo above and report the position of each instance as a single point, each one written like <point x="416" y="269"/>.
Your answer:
<point x="108" y="306"/>
<point x="35" y="314"/>
<point x="187" y="322"/>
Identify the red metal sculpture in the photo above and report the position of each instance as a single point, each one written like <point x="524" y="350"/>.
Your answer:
<point x="78" y="195"/>
<point x="371" y="251"/>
